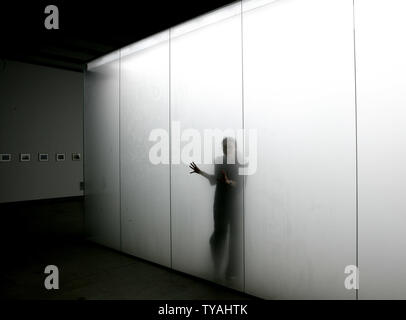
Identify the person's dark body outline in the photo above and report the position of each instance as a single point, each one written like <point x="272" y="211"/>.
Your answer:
<point x="227" y="213"/>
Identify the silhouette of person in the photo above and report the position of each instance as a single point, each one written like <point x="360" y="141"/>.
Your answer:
<point x="227" y="210"/>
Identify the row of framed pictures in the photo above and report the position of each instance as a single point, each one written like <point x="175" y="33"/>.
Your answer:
<point x="42" y="157"/>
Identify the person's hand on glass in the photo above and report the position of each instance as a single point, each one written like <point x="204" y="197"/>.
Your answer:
<point x="227" y="180"/>
<point x="195" y="168"/>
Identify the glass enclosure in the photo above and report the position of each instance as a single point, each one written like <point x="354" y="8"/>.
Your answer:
<point x="206" y="92"/>
<point x="144" y="106"/>
<point x="101" y="155"/>
<point x="259" y="146"/>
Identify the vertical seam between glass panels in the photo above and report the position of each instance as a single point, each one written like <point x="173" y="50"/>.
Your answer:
<point x="170" y="146"/>
<point x="356" y="149"/>
<point x="243" y="140"/>
<point x="119" y="147"/>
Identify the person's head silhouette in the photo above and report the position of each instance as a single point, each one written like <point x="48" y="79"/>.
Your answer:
<point x="229" y="147"/>
<point x="230" y="150"/>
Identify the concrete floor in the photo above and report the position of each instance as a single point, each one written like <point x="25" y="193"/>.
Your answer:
<point x="39" y="233"/>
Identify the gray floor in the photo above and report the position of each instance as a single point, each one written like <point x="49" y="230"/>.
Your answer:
<point x="36" y="234"/>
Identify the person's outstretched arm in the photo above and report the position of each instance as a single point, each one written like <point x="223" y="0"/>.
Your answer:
<point x="196" y="169"/>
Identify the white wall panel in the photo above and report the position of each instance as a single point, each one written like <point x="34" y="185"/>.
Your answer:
<point x="381" y="68"/>
<point x="102" y="197"/>
<point x="300" y="205"/>
<point x="205" y="94"/>
<point x="144" y="103"/>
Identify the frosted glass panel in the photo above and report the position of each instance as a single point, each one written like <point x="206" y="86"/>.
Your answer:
<point x="300" y="208"/>
<point x="102" y="201"/>
<point x="144" y="103"/>
<point x="381" y="68"/>
<point x="206" y="94"/>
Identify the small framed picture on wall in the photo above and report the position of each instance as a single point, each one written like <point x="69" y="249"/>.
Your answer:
<point x="60" y="157"/>
<point x="76" y="156"/>
<point x="43" y="157"/>
<point x="25" y="157"/>
<point x="5" y="157"/>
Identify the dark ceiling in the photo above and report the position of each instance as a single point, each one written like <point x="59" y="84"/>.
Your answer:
<point x="87" y="29"/>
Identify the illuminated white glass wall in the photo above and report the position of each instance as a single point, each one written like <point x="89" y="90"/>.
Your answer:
<point x="300" y="205"/>
<point x="381" y="68"/>
<point x="326" y="171"/>
<point x="144" y="107"/>
<point x="206" y="91"/>
<point x="101" y="114"/>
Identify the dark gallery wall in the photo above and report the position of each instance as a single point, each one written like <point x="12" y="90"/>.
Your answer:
<point x="41" y="111"/>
